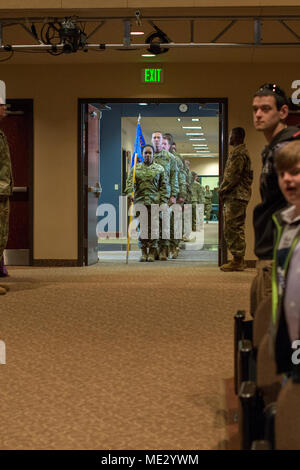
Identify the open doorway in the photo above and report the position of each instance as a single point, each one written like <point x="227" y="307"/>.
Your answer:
<point x="116" y="142"/>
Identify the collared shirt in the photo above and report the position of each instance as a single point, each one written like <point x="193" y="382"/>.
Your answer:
<point x="292" y="291"/>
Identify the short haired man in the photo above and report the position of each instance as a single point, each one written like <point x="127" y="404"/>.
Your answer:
<point x="285" y="324"/>
<point x="168" y="162"/>
<point x="6" y="188"/>
<point x="180" y="197"/>
<point x="270" y="111"/>
<point x="235" y="192"/>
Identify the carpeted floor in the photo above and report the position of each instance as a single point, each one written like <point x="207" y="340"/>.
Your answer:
<point x="118" y="357"/>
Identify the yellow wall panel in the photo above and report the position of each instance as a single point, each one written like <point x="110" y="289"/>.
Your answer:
<point x="29" y="4"/>
<point x="99" y="4"/>
<point x="94" y="4"/>
<point x="159" y="3"/>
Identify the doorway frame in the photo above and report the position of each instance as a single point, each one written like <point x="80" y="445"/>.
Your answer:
<point x="223" y="154"/>
<point x="29" y="105"/>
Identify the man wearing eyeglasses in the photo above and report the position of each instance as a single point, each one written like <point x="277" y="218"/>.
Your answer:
<point x="270" y="111"/>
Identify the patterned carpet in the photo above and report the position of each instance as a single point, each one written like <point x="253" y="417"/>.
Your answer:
<point x="118" y="357"/>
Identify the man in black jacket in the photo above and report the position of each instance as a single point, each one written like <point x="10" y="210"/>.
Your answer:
<point x="270" y="111"/>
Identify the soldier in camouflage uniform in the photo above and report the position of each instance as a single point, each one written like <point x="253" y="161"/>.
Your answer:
<point x="150" y="188"/>
<point x="180" y="198"/>
<point x="168" y="162"/>
<point x="188" y="200"/>
<point x="207" y="203"/>
<point x="197" y="198"/>
<point x="235" y="192"/>
<point x="6" y="187"/>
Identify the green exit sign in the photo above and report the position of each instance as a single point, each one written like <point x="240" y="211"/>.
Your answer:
<point x="152" y="75"/>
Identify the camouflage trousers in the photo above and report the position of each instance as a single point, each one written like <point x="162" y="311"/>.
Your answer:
<point x="207" y="210"/>
<point x="145" y="240"/>
<point x="234" y="214"/>
<point x="196" y="210"/>
<point x="4" y="221"/>
<point x="174" y="242"/>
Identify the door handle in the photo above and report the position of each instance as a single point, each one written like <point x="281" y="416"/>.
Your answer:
<point x="20" y="189"/>
<point x="96" y="190"/>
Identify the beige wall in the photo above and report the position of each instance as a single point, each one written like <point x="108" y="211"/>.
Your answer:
<point x="55" y="90"/>
<point x="72" y="4"/>
<point x="205" y="166"/>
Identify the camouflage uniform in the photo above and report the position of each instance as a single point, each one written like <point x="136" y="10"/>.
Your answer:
<point x="6" y="187"/>
<point x="174" y="243"/>
<point x="150" y="188"/>
<point x="168" y="162"/>
<point x="236" y="192"/>
<point x="207" y="204"/>
<point x="188" y="199"/>
<point x="197" y="198"/>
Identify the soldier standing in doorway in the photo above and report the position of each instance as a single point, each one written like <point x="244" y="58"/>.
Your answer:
<point x="180" y="198"/>
<point x="235" y="192"/>
<point x="168" y="162"/>
<point x="208" y="204"/>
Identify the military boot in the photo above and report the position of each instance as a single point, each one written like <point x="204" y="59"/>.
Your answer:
<point x="152" y="255"/>
<point x="236" y="264"/>
<point x="163" y="255"/>
<point x="173" y="253"/>
<point x="144" y="256"/>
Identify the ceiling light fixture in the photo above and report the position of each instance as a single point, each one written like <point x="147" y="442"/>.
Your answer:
<point x="195" y="119"/>
<point x="191" y="127"/>
<point x="194" y="138"/>
<point x="148" y="55"/>
<point x="194" y="133"/>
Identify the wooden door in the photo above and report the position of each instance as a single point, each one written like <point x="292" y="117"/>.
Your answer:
<point x="18" y="128"/>
<point x="92" y="186"/>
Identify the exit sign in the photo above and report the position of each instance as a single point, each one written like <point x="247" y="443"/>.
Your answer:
<point x="152" y="75"/>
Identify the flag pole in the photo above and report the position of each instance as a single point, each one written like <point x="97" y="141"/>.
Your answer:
<point x="131" y="204"/>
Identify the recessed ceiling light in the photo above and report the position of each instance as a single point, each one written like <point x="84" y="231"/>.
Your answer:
<point x="194" y="133"/>
<point x="137" y="33"/>
<point x="195" y="138"/>
<point x="191" y="127"/>
<point x="143" y="104"/>
<point x="195" y="119"/>
<point x="178" y="119"/>
<point x="148" y="55"/>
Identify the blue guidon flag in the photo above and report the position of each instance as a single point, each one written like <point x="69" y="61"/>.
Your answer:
<point x="139" y="143"/>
